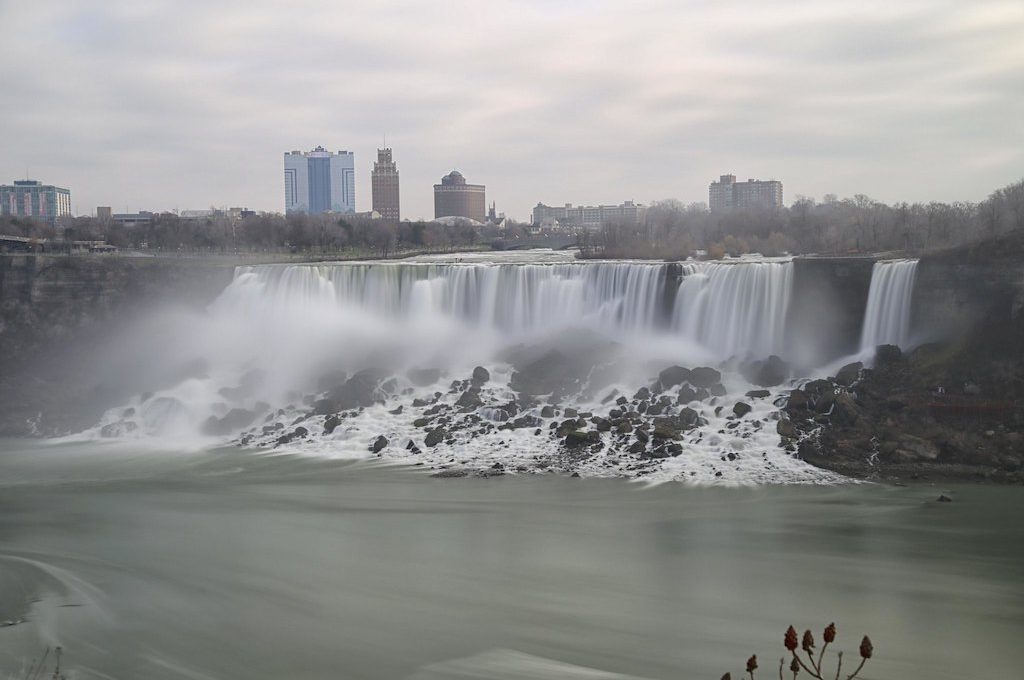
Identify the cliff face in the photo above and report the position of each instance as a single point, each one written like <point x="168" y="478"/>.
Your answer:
<point x="55" y="311"/>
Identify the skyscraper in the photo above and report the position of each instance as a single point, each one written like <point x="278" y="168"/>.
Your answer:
<point x="454" y="198"/>
<point x="319" y="181"/>
<point x="385" y="186"/>
<point x="31" y="198"/>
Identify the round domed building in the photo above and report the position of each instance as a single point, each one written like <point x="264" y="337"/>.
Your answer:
<point x="454" y="198"/>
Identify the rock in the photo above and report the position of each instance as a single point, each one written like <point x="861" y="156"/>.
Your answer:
<point x="642" y="394"/>
<point x="673" y="375"/>
<point x="944" y="499"/>
<point x="379" y="444"/>
<point x="547" y="412"/>
<point x="768" y="373"/>
<point x="688" y="419"/>
<point x="741" y="408"/>
<point x="578" y="438"/>
<point x="235" y="419"/>
<point x="120" y="429"/>
<point x="422" y="377"/>
<point x="703" y="376"/>
<point x="421" y="422"/>
<point x="845" y="411"/>
<point x="913" y="448"/>
<point x="666" y="428"/>
<point x="887" y="354"/>
<point x="435" y="437"/>
<point x="571" y="413"/>
<point x="470" y="399"/>
<point x="481" y="375"/>
<point x="358" y="391"/>
<point x="450" y="474"/>
<point x="718" y="390"/>
<point x="758" y="394"/>
<point x="786" y="428"/>
<point x="331" y="424"/>
<point x="849" y="374"/>
<point x="686" y="395"/>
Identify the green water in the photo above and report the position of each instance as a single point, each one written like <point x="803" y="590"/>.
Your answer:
<point x="232" y="564"/>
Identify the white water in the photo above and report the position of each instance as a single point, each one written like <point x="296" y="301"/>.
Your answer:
<point x="887" y="317"/>
<point x="737" y="309"/>
<point x="277" y="329"/>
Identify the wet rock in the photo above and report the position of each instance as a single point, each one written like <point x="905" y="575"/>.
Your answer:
<point x="578" y="438"/>
<point x="666" y="428"/>
<point x="331" y="424"/>
<point x="849" y="374"/>
<point x="718" y="390"/>
<point x="703" y="376"/>
<point x="797" y="401"/>
<point x="452" y="473"/>
<point x="887" y="354"/>
<point x="361" y="390"/>
<point x="758" y="394"/>
<point x="741" y="408"/>
<point x="470" y="399"/>
<point x="786" y="428"/>
<point x="673" y="375"/>
<point x="642" y="394"/>
<point x="113" y="430"/>
<point x="435" y="437"/>
<point x="379" y="444"/>
<point x="420" y="403"/>
<point x="944" y="499"/>
<point x="481" y="375"/>
<point x="768" y="373"/>
<point x="688" y="419"/>
<point x="570" y="413"/>
<point x="686" y="395"/>
<point x="548" y="412"/>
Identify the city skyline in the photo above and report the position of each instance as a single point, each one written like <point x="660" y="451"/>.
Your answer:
<point x="183" y="107"/>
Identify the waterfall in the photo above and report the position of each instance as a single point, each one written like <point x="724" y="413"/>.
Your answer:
<point x="887" y="317"/>
<point x="735" y="308"/>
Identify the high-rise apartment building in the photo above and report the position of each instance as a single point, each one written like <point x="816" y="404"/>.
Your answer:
<point x="454" y="198"/>
<point x="588" y="216"/>
<point x="385" y="186"/>
<point x="319" y="181"/>
<point x="31" y="198"/>
<point x="727" y="193"/>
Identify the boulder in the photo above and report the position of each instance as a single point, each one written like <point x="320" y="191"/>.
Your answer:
<point x="642" y="394"/>
<point x="758" y="394"/>
<point x="911" y="448"/>
<point x="718" y="390"/>
<point x="481" y="375"/>
<point x="673" y="375"/>
<point x="578" y="438"/>
<point x="887" y="354"/>
<point x="547" y="411"/>
<point x="379" y="444"/>
<point x="331" y="424"/>
<point x="358" y="391"/>
<point x="470" y="399"/>
<point x="785" y="428"/>
<point x="435" y="436"/>
<point x="666" y="428"/>
<point x="768" y="373"/>
<point x="849" y="374"/>
<point x="702" y="376"/>
<point x="741" y="408"/>
<point x="686" y="395"/>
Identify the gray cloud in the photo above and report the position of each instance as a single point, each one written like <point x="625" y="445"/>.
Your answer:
<point x="189" y="104"/>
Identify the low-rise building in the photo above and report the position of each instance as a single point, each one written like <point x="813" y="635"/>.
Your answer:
<point x="587" y="216"/>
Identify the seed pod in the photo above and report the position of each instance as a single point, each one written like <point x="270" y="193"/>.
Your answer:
<point x="752" y="663"/>
<point x="808" y="642"/>
<point x="866" y="648"/>
<point x="790" y="639"/>
<point x="830" y="632"/>
<point x="727" y="676"/>
<point x="794" y="666"/>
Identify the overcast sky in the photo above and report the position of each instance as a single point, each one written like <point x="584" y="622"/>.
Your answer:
<point x="163" y="104"/>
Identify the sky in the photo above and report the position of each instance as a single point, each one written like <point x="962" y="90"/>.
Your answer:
<point x="181" y="104"/>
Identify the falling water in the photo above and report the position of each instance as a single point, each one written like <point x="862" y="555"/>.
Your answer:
<point x="887" y="317"/>
<point x="735" y="308"/>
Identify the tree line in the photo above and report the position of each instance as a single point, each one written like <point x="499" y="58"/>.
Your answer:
<point x="833" y="226"/>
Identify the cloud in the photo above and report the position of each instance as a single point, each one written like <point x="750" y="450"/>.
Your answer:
<point x="189" y="104"/>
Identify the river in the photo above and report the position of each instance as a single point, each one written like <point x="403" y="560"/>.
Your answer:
<point x="233" y="563"/>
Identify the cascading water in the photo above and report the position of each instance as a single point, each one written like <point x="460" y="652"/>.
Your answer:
<point x="887" y="317"/>
<point x="735" y="308"/>
<point x="342" y="359"/>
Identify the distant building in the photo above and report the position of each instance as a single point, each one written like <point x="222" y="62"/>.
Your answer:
<point x="31" y="198"/>
<point x="727" y="193"/>
<point x="385" y="186"/>
<point x="454" y="198"/>
<point x="104" y="213"/>
<point x="319" y="181"/>
<point x="140" y="218"/>
<point x="587" y="216"/>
